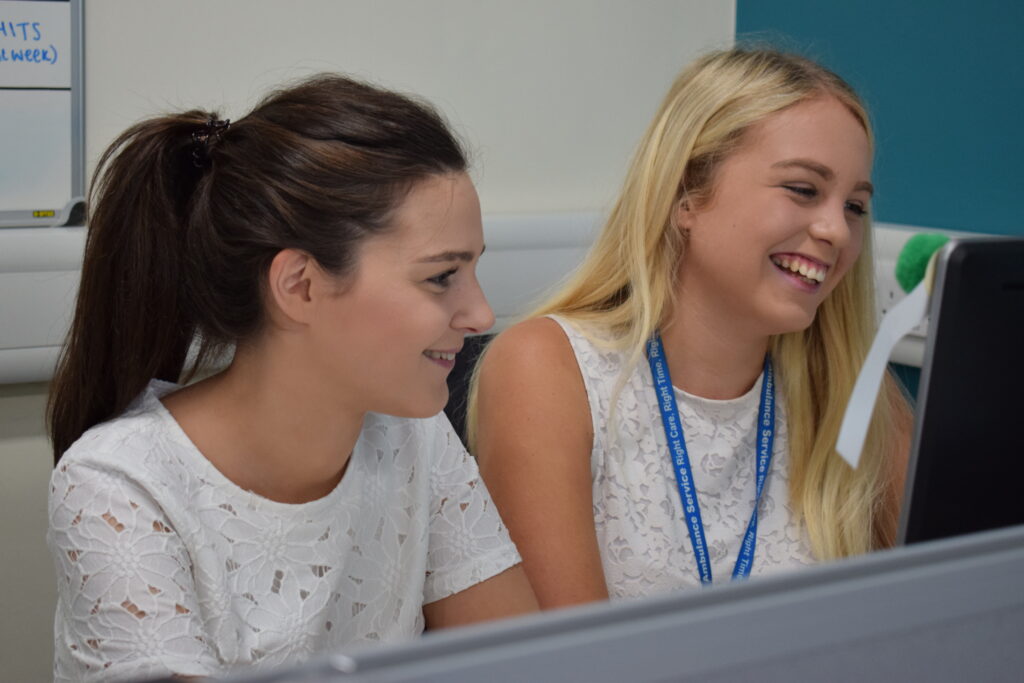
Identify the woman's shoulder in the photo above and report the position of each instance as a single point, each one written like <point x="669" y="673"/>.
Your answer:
<point x="119" y="436"/>
<point x="532" y="352"/>
<point x="546" y="333"/>
<point x="585" y="348"/>
<point x="587" y="332"/>
<point x="133" y="445"/>
<point x="553" y="339"/>
<point x="530" y="374"/>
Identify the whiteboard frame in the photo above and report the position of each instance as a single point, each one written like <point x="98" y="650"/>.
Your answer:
<point x="71" y="212"/>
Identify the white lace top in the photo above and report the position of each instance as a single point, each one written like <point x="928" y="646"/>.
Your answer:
<point x="643" y="538"/>
<point x="164" y="565"/>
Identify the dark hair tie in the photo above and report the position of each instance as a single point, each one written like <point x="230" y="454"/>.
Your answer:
<point x="203" y="140"/>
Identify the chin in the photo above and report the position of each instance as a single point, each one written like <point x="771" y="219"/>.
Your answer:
<point x="796" y="322"/>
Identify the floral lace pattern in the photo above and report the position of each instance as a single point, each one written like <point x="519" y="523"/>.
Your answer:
<point x="166" y="566"/>
<point x="643" y="538"/>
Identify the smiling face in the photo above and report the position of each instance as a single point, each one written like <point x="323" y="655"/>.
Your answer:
<point x="391" y="332"/>
<point x="784" y="223"/>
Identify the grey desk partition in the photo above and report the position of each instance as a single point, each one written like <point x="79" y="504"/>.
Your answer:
<point x="949" y="610"/>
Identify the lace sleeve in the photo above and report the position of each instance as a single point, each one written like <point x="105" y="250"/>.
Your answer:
<point x="126" y="600"/>
<point x="468" y="541"/>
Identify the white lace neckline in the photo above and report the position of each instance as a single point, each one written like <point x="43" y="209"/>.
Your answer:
<point x="150" y="400"/>
<point x="724" y="408"/>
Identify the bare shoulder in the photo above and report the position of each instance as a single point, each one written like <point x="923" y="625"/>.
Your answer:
<point x="541" y="340"/>
<point x="533" y="363"/>
<point x="531" y="402"/>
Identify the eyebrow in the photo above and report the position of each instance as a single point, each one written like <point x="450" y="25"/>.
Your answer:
<point x="445" y="256"/>
<point x="824" y="171"/>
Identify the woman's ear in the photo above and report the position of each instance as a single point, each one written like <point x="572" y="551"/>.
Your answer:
<point x="289" y="285"/>
<point x="683" y="215"/>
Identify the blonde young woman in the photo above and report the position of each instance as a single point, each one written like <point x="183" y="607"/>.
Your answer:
<point x="734" y="276"/>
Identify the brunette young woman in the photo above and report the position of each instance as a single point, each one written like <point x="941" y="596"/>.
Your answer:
<point x="311" y="495"/>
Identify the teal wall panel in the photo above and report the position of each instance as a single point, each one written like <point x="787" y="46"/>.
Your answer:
<point x="945" y="85"/>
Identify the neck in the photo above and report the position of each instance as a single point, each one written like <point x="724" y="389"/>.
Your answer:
<point x="269" y="427"/>
<point x="711" y="357"/>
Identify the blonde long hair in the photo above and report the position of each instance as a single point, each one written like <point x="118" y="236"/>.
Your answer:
<point x="627" y="283"/>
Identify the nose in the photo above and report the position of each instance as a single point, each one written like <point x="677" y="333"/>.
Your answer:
<point x="474" y="315"/>
<point x="832" y="226"/>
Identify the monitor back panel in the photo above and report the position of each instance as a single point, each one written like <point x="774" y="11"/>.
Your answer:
<point x="967" y="457"/>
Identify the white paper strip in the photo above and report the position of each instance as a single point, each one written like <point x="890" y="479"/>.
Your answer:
<point x="900" y="320"/>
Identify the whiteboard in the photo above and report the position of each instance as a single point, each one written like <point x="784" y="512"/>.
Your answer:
<point x="41" y="127"/>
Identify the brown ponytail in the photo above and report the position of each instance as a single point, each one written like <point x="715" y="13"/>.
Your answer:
<point x="186" y="214"/>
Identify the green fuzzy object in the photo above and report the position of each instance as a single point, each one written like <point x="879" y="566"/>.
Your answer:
<point x="914" y="257"/>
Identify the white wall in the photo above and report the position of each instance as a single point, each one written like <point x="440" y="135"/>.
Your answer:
<point x="551" y="97"/>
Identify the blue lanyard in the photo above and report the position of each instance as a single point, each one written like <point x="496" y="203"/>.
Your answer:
<point x="680" y="457"/>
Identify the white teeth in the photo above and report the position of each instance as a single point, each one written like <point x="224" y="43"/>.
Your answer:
<point x="800" y="267"/>
<point x="440" y="355"/>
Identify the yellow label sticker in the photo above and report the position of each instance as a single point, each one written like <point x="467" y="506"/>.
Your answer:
<point x="44" y="214"/>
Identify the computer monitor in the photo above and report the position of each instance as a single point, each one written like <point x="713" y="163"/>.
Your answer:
<point x="966" y="469"/>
